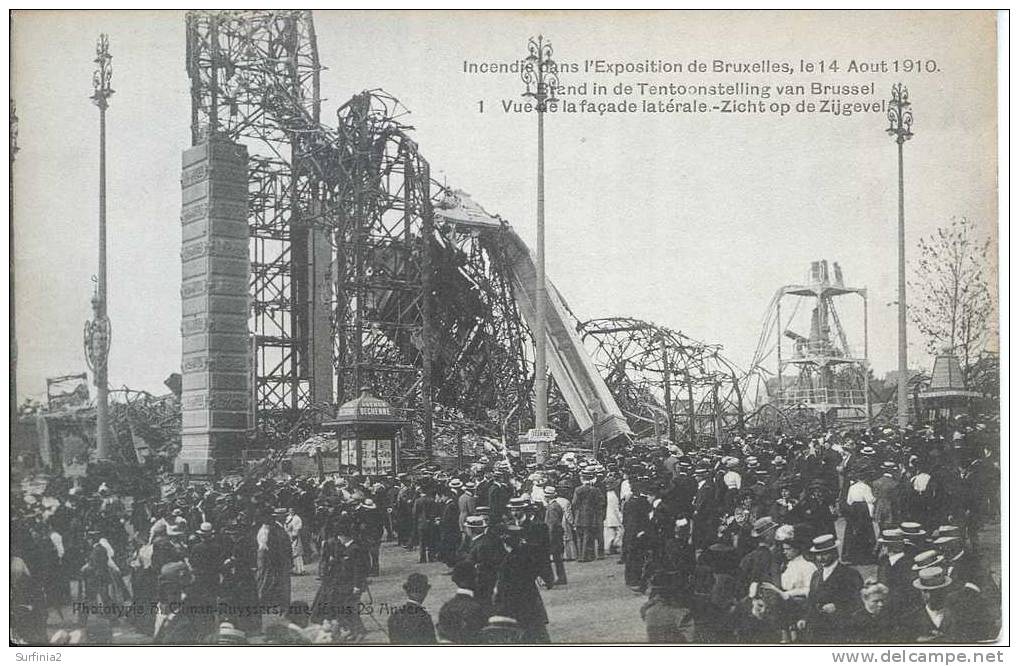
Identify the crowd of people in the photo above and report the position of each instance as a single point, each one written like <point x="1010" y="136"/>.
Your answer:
<point x="732" y="543"/>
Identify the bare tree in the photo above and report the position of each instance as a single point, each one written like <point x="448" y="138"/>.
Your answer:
<point x="952" y="303"/>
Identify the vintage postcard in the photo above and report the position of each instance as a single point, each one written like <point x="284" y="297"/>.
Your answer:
<point x="511" y="327"/>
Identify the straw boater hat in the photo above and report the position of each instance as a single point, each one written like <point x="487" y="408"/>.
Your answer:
<point x="476" y="521"/>
<point x="927" y="559"/>
<point x="456" y="484"/>
<point x="913" y="530"/>
<point x="890" y="536"/>
<point x="948" y="531"/>
<point x="518" y="503"/>
<point x="824" y="543"/>
<point x="205" y="528"/>
<point x="550" y="491"/>
<point x="932" y="578"/>
<point x="368" y="503"/>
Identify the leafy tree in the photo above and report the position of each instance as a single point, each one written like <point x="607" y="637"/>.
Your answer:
<point x="952" y="304"/>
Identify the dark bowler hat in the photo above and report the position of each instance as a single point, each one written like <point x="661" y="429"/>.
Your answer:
<point x="824" y="543"/>
<point x="932" y="578"/>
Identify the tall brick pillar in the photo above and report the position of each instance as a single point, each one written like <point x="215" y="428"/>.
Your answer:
<point x="214" y="293"/>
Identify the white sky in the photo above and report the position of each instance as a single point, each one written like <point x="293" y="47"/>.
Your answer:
<point x="691" y="221"/>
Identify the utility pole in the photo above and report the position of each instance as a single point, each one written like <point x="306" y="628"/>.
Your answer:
<point x="14" y="342"/>
<point x="97" y="331"/>
<point x="900" y="127"/>
<point x="541" y="75"/>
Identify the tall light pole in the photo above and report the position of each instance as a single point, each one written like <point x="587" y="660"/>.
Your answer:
<point x="541" y="79"/>
<point x="900" y="127"/>
<point x="97" y="331"/>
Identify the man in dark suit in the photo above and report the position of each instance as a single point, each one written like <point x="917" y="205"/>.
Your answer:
<point x="516" y="595"/>
<point x="587" y="504"/>
<point x="834" y="593"/>
<point x="636" y="522"/>
<point x="410" y="624"/>
<point x="705" y="510"/>
<point x="498" y="496"/>
<point x="462" y="618"/>
<point x="449" y="523"/>
<point x="176" y="623"/>
<point x="554" y="523"/>
<point x="894" y="570"/>
<point x="424" y="516"/>
<point x="938" y="620"/>
<point x="485" y="553"/>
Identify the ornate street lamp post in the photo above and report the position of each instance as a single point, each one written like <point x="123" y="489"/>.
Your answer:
<point x="97" y="331"/>
<point x="540" y="79"/>
<point x="900" y="127"/>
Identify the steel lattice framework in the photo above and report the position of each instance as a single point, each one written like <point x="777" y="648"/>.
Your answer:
<point x="650" y="367"/>
<point x="352" y="284"/>
<point x="255" y="80"/>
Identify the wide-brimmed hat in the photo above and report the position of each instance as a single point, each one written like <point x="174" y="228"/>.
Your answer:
<point x="948" y="531"/>
<point x="927" y="559"/>
<point x="824" y="543"/>
<point x="912" y="530"/>
<point x="518" y="503"/>
<point x="368" y="503"/>
<point x="932" y="578"/>
<point x="867" y="451"/>
<point x="476" y="521"/>
<point x="763" y="526"/>
<point x="502" y="621"/>
<point x="890" y="536"/>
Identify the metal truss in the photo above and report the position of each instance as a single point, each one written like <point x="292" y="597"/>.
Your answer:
<point x="667" y="384"/>
<point x="255" y="80"/>
<point x="423" y="317"/>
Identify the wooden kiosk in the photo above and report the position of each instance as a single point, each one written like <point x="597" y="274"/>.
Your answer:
<point x="368" y="436"/>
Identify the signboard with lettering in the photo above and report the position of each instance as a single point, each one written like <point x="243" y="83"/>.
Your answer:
<point x="541" y="435"/>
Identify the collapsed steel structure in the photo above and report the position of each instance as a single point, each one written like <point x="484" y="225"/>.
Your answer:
<point x="667" y="384"/>
<point x="357" y="282"/>
<point x="352" y="285"/>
